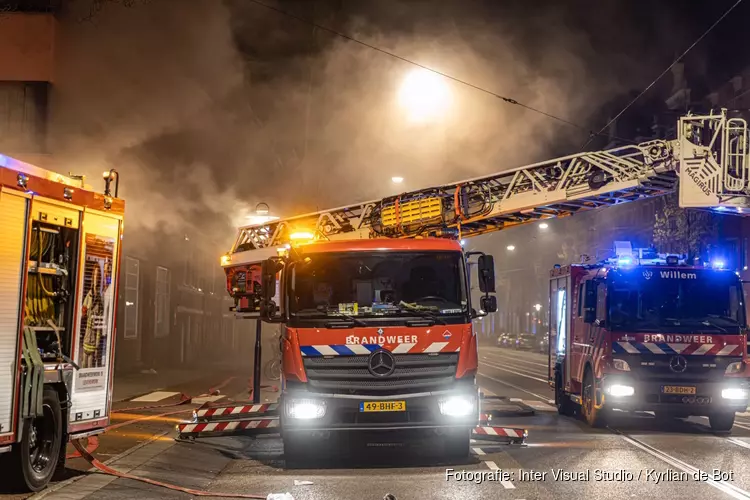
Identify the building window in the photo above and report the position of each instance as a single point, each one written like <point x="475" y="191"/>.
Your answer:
<point x="161" y="320"/>
<point x="132" y="278"/>
<point x="23" y="117"/>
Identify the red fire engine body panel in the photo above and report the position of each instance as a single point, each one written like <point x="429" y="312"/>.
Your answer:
<point x="313" y="342"/>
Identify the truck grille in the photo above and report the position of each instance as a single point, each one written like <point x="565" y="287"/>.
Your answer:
<point x="699" y="368"/>
<point x="349" y="374"/>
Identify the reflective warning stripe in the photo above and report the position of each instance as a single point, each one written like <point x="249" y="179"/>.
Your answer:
<point x="621" y="347"/>
<point x="355" y="349"/>
<point x="235" y="410"/>
<point x="501" y="431"/>
<point x="235" y="425"/>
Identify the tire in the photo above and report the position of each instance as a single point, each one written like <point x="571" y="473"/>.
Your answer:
<point x="594" y="417"/>
<point x="562" y="401"/>
<point x="721" y="422"/>
<point x="456" y="446"/>
<point x="34" y="460"/>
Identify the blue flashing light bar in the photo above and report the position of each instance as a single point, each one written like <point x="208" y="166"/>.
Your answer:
<point x="718" y="264"/>
<point x="627" y="256"/>
<point x="625" y="261"/>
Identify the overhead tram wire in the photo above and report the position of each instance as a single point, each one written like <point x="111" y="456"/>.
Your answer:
<point x="669" y="68"/>
<point x="508" y="100"/>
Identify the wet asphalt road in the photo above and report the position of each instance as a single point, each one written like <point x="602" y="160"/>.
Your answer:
<point x="636" y="457"/>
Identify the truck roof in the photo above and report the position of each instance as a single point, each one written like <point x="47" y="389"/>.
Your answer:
<point x="22" y="176"/>
<point x="385" y="244"/>
<point x="607" y="268"/>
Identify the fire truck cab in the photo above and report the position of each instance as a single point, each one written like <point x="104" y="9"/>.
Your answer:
<point x="377" y="340"/>
<point x="646" y="332"/>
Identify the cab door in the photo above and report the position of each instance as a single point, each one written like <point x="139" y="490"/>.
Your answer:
<point x="559" y="315"/>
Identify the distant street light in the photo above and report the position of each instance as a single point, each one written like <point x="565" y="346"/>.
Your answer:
<point x="511" y="247"/>
<point x="538" y="307"/>
<point x="543" y="225"/>
<point x="261" y="215"/>
<point x="397" y="180"/>
<point x="424" y="95"/>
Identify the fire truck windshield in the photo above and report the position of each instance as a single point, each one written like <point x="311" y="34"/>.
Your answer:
<point x="679" y="300"/>
<point x="379" y="284"/>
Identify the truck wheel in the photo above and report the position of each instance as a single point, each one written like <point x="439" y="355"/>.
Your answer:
<point x="456" y="446"/>
<point x="594" y="417"/>
<point x="721" y="422"/>
<point x="562" y="400"/>
<point x="36" y="457"/>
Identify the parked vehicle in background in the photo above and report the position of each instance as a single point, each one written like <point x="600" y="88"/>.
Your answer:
<point x="506" y="340"/>
<point x="543" y="344"/>
<point x="527" y="342"/>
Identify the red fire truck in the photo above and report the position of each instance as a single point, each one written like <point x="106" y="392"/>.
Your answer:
<point x="362" y="350"/>
<point x="377" y="337"/>
<point x="59" y="265"/>
<point x="645" y="332"/>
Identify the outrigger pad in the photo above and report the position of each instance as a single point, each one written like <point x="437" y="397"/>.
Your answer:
<point x="235" y="410"/>
<point x="228" y="427"/>
<point x="500" y="434"/>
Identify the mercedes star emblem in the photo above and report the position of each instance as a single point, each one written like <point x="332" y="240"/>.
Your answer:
<point x="678" y="364"/>
<point x="381" y="363"/>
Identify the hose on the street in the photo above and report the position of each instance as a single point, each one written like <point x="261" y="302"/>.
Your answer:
<point x="101" y="467"/>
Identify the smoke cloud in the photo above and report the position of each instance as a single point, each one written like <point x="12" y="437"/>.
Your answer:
<point x="210" y="108"/>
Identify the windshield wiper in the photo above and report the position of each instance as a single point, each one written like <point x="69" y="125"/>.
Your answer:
<point x="337" y="314"/>
<point x="350" y="318"/>
<point x="330" y="315"/>
<point x="708" y="322"/>
<point x="403" y="307"/>
<point x="724" y="318"/>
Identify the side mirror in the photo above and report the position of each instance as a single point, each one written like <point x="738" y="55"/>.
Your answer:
<point x="488" y="303"/>
<point x="589" y="301"/>
<point x="486" y="271"/>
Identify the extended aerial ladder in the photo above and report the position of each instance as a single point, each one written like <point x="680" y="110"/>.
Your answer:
<point x="709" y="158"/>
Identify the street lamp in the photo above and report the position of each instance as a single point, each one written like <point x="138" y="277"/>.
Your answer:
<point x="261" y="215"/>
<point x="424" y="95"/>
<point x="538" y="307"/>
<point x="397" y="180"/>
<point x="543" y="225"/>
<point x="510" y="247"/>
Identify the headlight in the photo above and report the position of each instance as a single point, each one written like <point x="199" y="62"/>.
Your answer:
<point x="733" y="368"/>
<point x="457" y="406"/>
<point x="734" y="393"/>
<point x="620" y="390"/>
<point x="621" y="364"/>
<point x="305" y="409"/>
